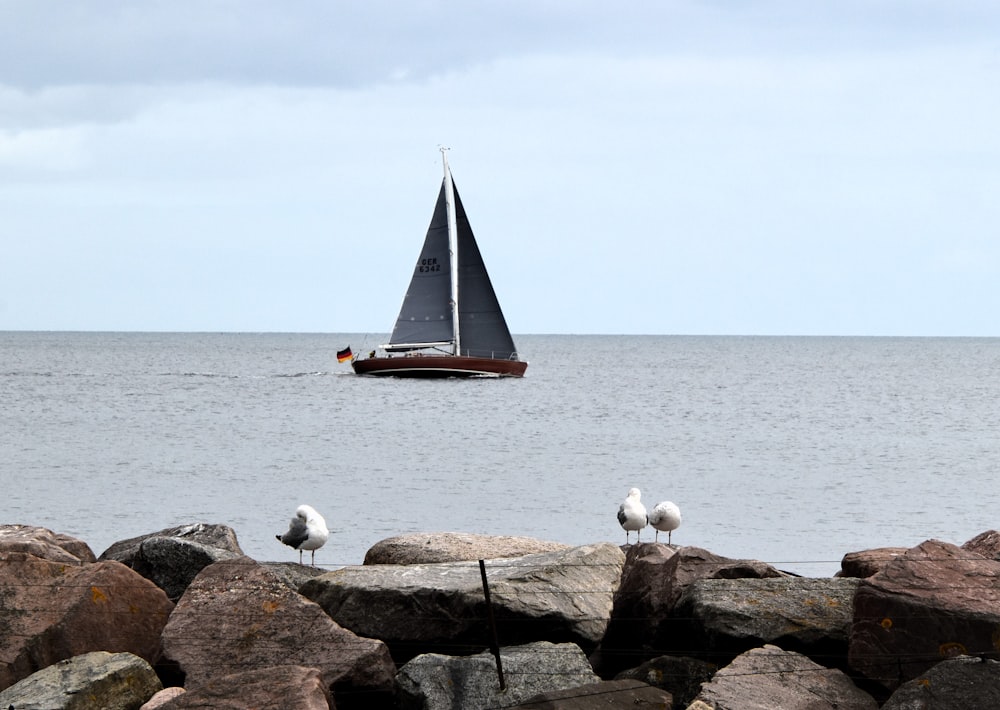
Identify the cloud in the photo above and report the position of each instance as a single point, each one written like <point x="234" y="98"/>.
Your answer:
<point x="683" y="167"/>
<point x="47" y="43"/>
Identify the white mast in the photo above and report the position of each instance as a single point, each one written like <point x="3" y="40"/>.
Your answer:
<point x="449" y="198"/>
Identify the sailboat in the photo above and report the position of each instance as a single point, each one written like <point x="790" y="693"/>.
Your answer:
<point x="450" y="324"/>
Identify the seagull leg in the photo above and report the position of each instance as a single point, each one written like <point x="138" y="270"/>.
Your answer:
<point x="670" y="536"/>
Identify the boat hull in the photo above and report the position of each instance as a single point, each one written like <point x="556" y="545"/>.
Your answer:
<point x="437" y="366"/>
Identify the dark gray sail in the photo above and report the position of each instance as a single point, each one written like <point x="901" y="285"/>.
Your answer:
<point x="482" y="328"/>
<point x="425" y="318"/>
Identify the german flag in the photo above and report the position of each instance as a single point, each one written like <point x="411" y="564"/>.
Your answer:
<point x="344" y="355"/>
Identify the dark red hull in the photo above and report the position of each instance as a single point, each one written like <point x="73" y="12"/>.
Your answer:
<point x="429" y="366"/>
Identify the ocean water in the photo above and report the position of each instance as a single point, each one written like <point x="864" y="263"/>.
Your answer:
<point x="790" y="450"/>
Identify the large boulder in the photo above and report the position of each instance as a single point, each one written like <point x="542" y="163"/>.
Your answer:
<point x="718" y="619"/>
<point x="275" y="688"/>
<point x="110" y="681"/>
<point x="172" y="557"/>
<point x="623" y="694"/>
<point x="436" y="682"/>
<point x="681" y="676"/>
<point x="865" y="563"/>
<point x="42" y="542"/>
<point x="237" y="616"/>
<point x="51" y="611"/>
<point x="654" y="579"/>
<point x="562" y="596"/>
<point x="935" y="602"/>
<point x="770" y="677"/>
<point x="428" y="548"/>
<point x="956" y="684"/>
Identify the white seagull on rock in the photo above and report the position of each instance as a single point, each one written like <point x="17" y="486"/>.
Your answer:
<point x="632" y="514"/>
<point x="307" y="531"/>
<point x="665" y="517"/>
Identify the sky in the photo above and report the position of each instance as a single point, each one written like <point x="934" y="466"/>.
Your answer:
<point x="651" y="167"/>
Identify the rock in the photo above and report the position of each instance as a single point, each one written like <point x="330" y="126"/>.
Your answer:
<point x="162" y="698"/>
<point x="436" y="682"/>
<point x="868" y="562"/>
<point x="608" y="694"/>
<point x="935" y="602"/>
<point x="50" y="611"/>
<point x="171" y="558"/>
<point x="986" y="544"/>
<point x="956" y="684"/>
<point x="274" y="688"/>
<point x="428" y="548"/>
<point x="110" y="681"/>
<point x="293" y="574"/>
<point x="721" y="618"/>
<point x="769" y="677"/>
<point x="681" y="676"/>
<point x="237" y="616"/>
<point x="654" y="579"/>
<point x="42" y="542"/>
<point x="562" y="596"/>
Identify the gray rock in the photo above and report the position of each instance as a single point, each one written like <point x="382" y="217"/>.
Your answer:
<point x="275" y="688"/>
<point x="292" y="574"/>
<point x="654" y="579"/>
<point x="935" y="602"/>
<point x="560" y="596"/>
<point x="436" y="682"/>
<point x="956" y="684"/>
<point x="172" y="557"/>
<point x="42" y="542"/>
<point x="110" y="681"/>
<point x="721" y="618"/>
<point x="681" y="676"/>
<point x="428" y="548"/>
<point x="237" y="616"/>
<point x="625" y="694"/>
<point x="768" y="678"/>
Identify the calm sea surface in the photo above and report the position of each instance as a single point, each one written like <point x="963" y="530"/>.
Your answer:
<point x="789" y="450"/>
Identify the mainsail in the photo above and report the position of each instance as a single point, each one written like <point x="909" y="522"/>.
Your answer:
<point x="426" y="318"/>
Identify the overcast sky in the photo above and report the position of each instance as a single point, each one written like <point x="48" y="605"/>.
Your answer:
<point x="742" y="167"/>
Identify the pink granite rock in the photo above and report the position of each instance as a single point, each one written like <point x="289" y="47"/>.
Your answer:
<point x="42" y="542"/>
<point x="868" y="562"/>
<point x="236" y="615"/>
<point x="50" y="611"/>
<point x="935" y="602"/>
<point x="273" y="688"/>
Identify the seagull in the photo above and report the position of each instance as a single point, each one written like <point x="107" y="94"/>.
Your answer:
<point x="307" y="531"/>
<point x="632" y="514"/>
<point x="665" y="517"/>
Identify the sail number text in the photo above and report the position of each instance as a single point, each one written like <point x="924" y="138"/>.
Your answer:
<point x="428" y="265"/>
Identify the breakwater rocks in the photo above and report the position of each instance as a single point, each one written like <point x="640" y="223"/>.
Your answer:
<point x="181" y="618"/>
